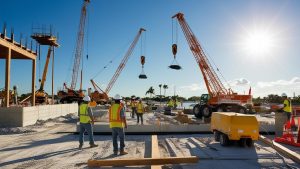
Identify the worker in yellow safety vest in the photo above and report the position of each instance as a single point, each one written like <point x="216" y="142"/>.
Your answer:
<point x="86" y="120"/>
<point x="117" y="122"/>
<point x="287" y="106"/>
<point x="133" y="105"/>
<point x="170" y="103"/>
<point x="140" y="111"/>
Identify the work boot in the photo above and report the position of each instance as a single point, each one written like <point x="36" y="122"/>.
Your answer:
<point x="80" y="146"/>
<point x="115" y="153"/>
<point x="122" y="152"/>
<point x="93" y="145"/>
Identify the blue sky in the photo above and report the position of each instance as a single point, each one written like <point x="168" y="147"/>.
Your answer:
<point x="222" y="27"/>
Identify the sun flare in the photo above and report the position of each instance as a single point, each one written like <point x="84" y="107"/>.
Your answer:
<point x="259" y="43"/>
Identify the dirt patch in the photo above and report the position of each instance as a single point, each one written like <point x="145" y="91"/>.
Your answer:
<point x="69" y="118"/>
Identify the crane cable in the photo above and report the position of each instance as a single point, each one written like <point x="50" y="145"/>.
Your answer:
<point x="211" y="59"/>
<point x="109" y="62"/>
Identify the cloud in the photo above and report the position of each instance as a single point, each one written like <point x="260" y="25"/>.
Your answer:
<point x="192" y="87"/>
<point x="294" y="80"/>
<point x="239" y="82"/>
<point x="277" y="87"/>
<point x="242" y="82"/>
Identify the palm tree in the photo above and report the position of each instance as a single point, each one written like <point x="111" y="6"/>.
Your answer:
<point x="160" y="85"/>
<point x="150" y="91"/>
<point x="165" y="88"/>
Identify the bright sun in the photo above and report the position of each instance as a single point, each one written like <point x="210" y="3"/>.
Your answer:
<point x="259" y="43"/>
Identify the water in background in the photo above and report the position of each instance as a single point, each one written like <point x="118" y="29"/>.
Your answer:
<point x="188" y="104"/>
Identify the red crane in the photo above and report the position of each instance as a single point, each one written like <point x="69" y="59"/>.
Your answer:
<point x="102" y="96"/>
<point x="218" y="97"/>
<point x="72" y="95"/>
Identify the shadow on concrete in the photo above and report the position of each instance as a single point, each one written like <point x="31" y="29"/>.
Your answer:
<point x="64" y="138"/>
<point x="39" y="157"/>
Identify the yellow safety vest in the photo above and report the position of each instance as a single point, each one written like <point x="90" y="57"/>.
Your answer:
<point x="140" y="108"/>
<point x="288" y="107"/>
<point x="133" y="104"/>
<point x="171" y="103"/>
<point x="115" y="116"/>
<point x="83" y="114"/>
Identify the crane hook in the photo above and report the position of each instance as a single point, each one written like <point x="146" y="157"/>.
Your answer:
<point x="143" y="75"/>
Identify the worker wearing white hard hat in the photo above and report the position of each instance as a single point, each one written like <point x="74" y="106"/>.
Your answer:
<point x="117" y="122"/>
<point x="86" y="120"/>
<point x="287" y="106"/>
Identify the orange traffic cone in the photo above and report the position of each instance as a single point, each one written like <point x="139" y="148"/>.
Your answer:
<point x="293" y="122"/>
<point x="287" y="125"/>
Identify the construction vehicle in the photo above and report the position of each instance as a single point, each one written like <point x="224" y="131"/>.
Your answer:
<point x="40" y="95"/>
<point x="70" y="95"/>
<point x="218" y="98"/>
<point x="101" y="96"/>
<point x="231" y="126"/>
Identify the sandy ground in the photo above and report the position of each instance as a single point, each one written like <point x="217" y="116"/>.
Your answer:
<point x="47" y="147"/>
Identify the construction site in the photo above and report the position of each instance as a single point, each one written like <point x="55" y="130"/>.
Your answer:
<point x="104" y="115"/>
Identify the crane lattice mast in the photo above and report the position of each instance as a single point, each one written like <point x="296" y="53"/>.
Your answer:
<point x="79" y="44"/>
<point x="124" y="61"/>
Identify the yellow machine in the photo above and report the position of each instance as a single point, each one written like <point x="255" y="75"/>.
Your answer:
<point x="228" y="126"/>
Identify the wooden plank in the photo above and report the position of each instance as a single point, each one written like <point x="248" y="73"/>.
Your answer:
<point x="173" y="149"/>
<point x="143" y="161"/>
<point x="155" y="151"/>
<point x="203" y="148"/>
<point x="281" y="149"/>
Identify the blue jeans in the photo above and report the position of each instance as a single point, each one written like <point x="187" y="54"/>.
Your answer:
<point x="117" y="131"/>
<point x="133" y="112"/>
<point x="139" y="116"/>
<point x="86" y="127"/>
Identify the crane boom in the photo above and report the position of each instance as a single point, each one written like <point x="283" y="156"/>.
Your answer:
<point x="79" y="44"/>
<point x="124" y="61"/>
<point x="212" y="81"/>
<point x="96" y="87"/>
<point x="46" y="69"/>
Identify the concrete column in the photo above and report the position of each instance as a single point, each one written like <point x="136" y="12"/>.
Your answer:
<point x="7" y="77"/>
<point x="33" y="82"/>
<point x="53" y="75"/>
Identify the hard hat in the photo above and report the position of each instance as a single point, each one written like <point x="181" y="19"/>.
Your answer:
<point x="87" y="99"/>
<point x="117" y="97"/>
<point x="284" y="95"/>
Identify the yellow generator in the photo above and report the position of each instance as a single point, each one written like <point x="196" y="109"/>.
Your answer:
<point x="230" y="126"/>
